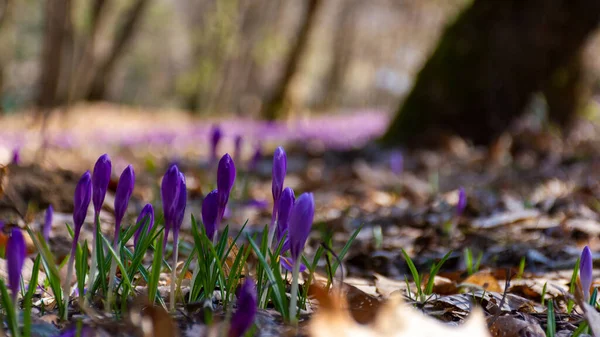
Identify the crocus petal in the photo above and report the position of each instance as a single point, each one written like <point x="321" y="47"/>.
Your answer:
<point x="225" y="180"/>
<point x="48" y="222"/>
<point x="300" y="223"/>
<point x="462" y="201"/>
<point x="146" y="218"/>
<point x="288" y="264"/>
<point x="81" y="200"/>
<point x="286" y="203"/>
<point x="100" y="181"/>
<point x="169" y="192"/>
<point x="210" y="212"/>
<point x="585" y="271"/>
<point x="181" y="203"/>
<point x="123" y="194"/>
<point x="278" y="173"/>
<point x="247" y="305"/>
<point x="15" y="257"/>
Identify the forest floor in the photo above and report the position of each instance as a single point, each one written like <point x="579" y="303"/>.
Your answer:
<point x="533" y="202"/>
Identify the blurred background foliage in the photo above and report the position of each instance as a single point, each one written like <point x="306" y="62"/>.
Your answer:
<point x="216" y="55"/>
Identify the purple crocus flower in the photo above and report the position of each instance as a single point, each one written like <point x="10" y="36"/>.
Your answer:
<point x="146" y="216"/>
<point x="210" y="213"/>
<point x="180" y="208"/>
<point x="279" y="171"/>
<point x="247" y="305"/>
<point x="301" y="220"/>
<point x="225" y="181"/>
<point x="396" y="162"/>
<point x="215" y="137"/>
<point x="47" y="222"/>
<point x="81" y="202"/>
<point x="286" y="203"/>
<point x="462" y="202"/>
<point x="122" y="196"/>
<point x="16" y="156"/>
<point x="255" y="158"/>
<point x="169" y="192"/>
<point x="15" y="257"/>
<point x="288" y="264"/>
<point x="237" y="148"/>
<point x="100" y="181"/>
<point x="585" y="272"/>
<point x="72" y="332"/>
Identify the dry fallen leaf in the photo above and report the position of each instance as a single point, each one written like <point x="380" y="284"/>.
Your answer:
<point x="509" y="326"/>
<point x="485" y="280"/>
<point x="394" y="319"/>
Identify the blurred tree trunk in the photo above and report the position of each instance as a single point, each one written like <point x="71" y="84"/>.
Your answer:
<point x="57" y="21"/>
<point x="129" y="20"/>
<point x="487" y="65"/>
<point x="85" y="65"/>
<point x="277" y="101"/>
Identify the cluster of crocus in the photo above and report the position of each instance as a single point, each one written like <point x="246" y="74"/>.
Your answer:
<point x="278" y="176"/>
<point x="247" y="303"/>
<point x="15" y="257"/>
<point x="81" y="202"/>
<point x="100" y="181"/>
<point x="215" y="202"/>
<point x="174" y="198"/>
<point x="586" y="266"/>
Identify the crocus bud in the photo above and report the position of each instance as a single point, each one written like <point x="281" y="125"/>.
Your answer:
<point x="15" y="257"/>
<point x="81" y="201"/>
<point x="225" y="180"/>
<point x="255" y="158"/>
<point x="100" y="181"/>
<point x="146" y="218"/>
<point x="122" y="196"/>
<point x="180" y="208"/>
<point x="286" y="203"/>
<point x="396" y="162"/>
<point x="462" y="202"/>
<point x="279" y="171"/>
<point x="169" y="192"/>
<point x="247" y="306"/>
<point x="585" y="272"/>
<point x="210" y="212"/>
<point x="237" y="148"/>
<point x="215" y="137"/>
<point x="16" y="156"/>
<point x="47" y="222"/>
<point x="300" y="223"/>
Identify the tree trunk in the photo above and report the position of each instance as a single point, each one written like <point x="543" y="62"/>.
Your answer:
<point x="487" y="65"/>
<point x="277" y="100"/>
<point x="130" y="20"/>
<point x="57" y="17"/>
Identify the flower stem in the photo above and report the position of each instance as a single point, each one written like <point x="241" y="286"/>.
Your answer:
<point x="112" y="276"/>
<point x="92" y="274"/>
<point x="294" y="292"/>
<point x="272" y="226"/>
<point x="173" y="273"/>
<point x="67" y="285"/>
